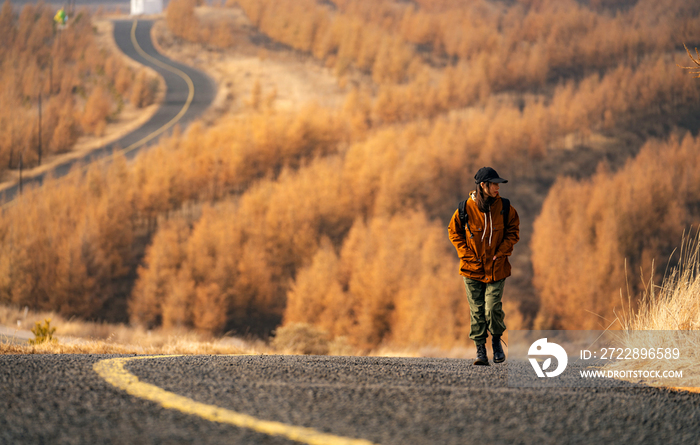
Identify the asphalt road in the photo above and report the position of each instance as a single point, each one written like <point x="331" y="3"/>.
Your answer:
<point x="177" y="107"/>
<point x="62" y="399"/>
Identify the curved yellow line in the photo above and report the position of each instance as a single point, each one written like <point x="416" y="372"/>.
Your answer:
<point x="112" y="370"/>
<point x="185" y="77"/>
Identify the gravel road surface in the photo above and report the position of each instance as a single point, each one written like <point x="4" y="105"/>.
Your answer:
<point x="61" y="399"/>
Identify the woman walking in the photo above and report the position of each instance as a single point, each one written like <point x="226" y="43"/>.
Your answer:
<point x="484" y="230"/>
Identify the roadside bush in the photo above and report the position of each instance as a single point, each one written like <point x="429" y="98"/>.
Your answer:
<point x="42" y="333"/>
<point x="301" y="338"/>
<point x="143" y="92"/>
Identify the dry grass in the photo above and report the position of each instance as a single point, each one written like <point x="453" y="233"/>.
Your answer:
<point x="172" y="346"/>
<point x="696" y="61"/>
<point x="80" y="337"/>
<point x="675" y="305"/>
<point x="674" y="309"/>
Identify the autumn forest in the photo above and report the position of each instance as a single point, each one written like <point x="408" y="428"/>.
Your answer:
<point x="337" y="216"/>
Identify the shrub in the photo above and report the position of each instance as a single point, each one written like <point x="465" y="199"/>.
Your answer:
<point x="143" y="93"/>
<point x="301" y="338"/>
<point x="42" y="333"/>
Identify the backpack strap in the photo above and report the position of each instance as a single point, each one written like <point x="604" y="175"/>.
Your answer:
<point x="464" y="218"/>
<point x="505" y="211"/>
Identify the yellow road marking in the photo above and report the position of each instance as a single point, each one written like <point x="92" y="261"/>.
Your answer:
<point x="172" y="69"/>
<point x="173" y="121"/>
<point x="112" y="370"/>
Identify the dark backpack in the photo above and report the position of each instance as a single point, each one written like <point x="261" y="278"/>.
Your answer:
<point x="464" y="218"/>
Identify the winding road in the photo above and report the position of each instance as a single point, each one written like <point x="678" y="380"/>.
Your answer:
<point x="83" y="399"/>
<point x="189" y="93"/>
<point x="253" y="399"/>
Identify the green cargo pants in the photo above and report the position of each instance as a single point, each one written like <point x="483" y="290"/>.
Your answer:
<point x="485" y="308"/>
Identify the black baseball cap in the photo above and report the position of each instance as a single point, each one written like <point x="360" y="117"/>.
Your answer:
<point x="487" y="174"/>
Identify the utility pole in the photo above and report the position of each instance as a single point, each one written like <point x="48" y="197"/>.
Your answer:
<point x="39" y="150"/>
<point x="20" y="172"/>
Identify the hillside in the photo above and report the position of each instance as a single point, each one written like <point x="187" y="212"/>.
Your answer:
<point x="66" y="90"/>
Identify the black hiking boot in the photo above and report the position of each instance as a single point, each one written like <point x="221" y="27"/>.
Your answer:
<point x="498" y="355"/>
<point x="481" y="358"/>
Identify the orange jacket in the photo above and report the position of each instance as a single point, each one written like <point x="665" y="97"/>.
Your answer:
<point x="488" y="239"/>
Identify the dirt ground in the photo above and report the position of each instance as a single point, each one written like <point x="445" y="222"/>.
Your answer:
<point x="287" y="79"/>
